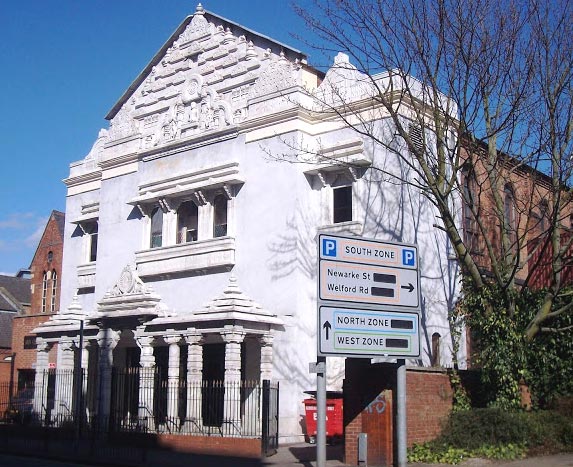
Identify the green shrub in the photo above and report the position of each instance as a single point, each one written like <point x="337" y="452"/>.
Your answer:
<point x="496" y="434"/>
<point x="475" y="428"/>
<point x="433" y="452"/>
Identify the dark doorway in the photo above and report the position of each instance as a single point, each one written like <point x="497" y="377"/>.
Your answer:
<point x="213" y="384"/>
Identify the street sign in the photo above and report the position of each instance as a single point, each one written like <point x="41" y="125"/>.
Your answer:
<point x="356" y="270"/>
<point x="362" y="283"/>
<point x="350" y="332"/>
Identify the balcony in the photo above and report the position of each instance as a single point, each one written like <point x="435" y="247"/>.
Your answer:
<point x="189" y="257"/>
<point x="86" y="275"/>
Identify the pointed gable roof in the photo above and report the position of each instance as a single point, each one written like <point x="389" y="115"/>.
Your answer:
<point x="201" y="14"/>
<point x="60" y="219"/>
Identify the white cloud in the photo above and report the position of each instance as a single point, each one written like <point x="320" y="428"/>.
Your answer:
<point x="17" y="220"/>
<point x="32" y="240"/>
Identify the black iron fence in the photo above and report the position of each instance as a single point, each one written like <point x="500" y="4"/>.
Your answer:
<point x="144" y="400"/>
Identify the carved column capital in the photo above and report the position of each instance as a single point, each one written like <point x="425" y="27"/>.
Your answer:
<point x="194" y="338"/>
<point x="42" y="345"/>
<point x="172" y="339"/>
<point x="108" y="338"/>
<point x="66" y="345"/>
<point x="233" y="334"/>
<point x="266" y="340"/>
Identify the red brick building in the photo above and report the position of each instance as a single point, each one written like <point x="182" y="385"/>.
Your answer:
<point x="14" y="299"/>
<point x="46" y="269"/>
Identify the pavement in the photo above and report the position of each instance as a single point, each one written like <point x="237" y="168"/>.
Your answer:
<point x="295" y="455"/>
<point x="304" y="455"/>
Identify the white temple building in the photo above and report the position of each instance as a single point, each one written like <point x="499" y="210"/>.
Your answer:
<point x="190" y="243"/>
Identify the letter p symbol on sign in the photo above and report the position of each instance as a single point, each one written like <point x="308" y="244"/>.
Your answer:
<point x="408" y="257"/>
<point x="328" y="247"/>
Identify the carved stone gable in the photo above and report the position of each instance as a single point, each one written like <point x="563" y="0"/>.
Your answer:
<point x="123" y="124"/>
<point x="130" y="298"/>
<point x="198" y="28"/>
<point x="278" y="75"/>
<point x="128" y="283"/>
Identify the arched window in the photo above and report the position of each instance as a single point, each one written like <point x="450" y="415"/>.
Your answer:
<point x="156" y="227"/>
<point x="220" y="216"/>
<point x="543" y="216"/>
<point x="187" y="222"/>
<point x="509" y="214"/>
<point x="44" y="290"/>
<point x="435" y="357"/>
<point x="50" y="256"/>
<point x="54" y="291"/>
<point x="469" y="208"/>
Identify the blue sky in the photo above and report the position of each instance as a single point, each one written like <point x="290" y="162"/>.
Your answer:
<point x="64" y="65"/>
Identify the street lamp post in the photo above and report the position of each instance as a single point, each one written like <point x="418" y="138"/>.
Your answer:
<point x="78" y="381"/>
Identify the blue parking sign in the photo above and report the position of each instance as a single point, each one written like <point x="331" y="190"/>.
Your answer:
<point x="329" y="247"/>
<point x="408" y="257"/>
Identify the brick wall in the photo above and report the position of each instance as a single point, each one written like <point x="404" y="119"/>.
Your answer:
<point x="51" y="241"/>
<point x="428" y="403"/>
<point x="368" y="409"/>
<point x="4" y="372"/>
<point x="369" y="392"/>
<point x="22" y="326"/>
<point x="204" y="445"/>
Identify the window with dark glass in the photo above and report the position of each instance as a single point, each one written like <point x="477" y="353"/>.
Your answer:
<point x="220" y="216"/>
<point x="54" y="291"/>
<point x="91" y="230"/>
<point x="187" y="222"/>
<point x="50" y="256"/>
<point x="44" y="291"/>
<point x="469" y="208"/>
<point x="342" y="204"/>
<point x="156" y="228"/>
<point x="436" y="349"/>
<point x="29" y="342"/>
<point x="509" y="213"/>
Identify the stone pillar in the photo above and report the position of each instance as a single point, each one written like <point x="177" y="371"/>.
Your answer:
<point x="85" y="361"/>
<point x="233" y="337"/>
<point x="64" y="389"/>
<point x="173" y="379"/>
<point x="194" y="417"/>
<point x="170" y="226"/>
<point x="41" y="380"/>
<point x="146" y="381"/>
<point x="107" y="340"/>
<point x="266" y="341"/>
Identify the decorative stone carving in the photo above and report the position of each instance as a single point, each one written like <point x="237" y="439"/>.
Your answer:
<point x="278" y="75"/>
<point x="193" y="89"/>
<point x="95" y="154"/>
<point x="198" y="28"/>
<point x="123" y="124"/>
<point x="342" y="84"/>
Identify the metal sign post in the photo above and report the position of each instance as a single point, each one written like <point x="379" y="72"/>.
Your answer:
<point x="368" y="306"/>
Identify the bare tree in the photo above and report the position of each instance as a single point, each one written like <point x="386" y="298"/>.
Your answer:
<point x="500" y="142"/>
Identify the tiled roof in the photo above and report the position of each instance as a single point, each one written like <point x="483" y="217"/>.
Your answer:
<point x="14" y="288"/>
<point x="61" y="220"/>
<point x="6" y="329"/>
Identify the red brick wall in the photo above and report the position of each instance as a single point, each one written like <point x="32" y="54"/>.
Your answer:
<point x="4" y="372"/>
<point x="369" y="391"/>
<point x="51" y="241"/>
<point x="204" y="445"/>
<point x="22" y="326"/>
<point x="428" y="403"/>
<point x="368" y="409"/>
